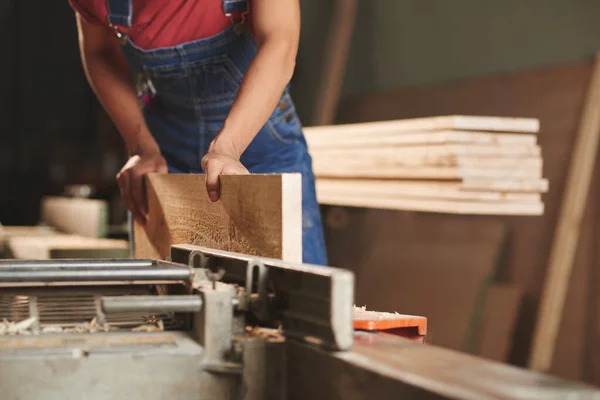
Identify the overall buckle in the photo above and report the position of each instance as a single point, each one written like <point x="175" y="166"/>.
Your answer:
<point x="238" y="25"/>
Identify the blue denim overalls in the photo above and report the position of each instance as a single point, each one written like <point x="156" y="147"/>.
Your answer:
<point x="193" y="87"/>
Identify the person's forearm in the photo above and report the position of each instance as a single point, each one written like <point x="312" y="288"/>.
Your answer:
<point x="259" y="93"/>
<point x="117" y="95"/>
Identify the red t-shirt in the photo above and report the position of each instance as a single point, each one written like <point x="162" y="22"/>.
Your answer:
<point x="160" y="23"/>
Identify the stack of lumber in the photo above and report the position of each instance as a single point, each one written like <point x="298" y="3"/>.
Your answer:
<point x="447" y="164"/>
<point x="80" y="216"/>
<point x="70" y="228"/>
<point x="66" y="246"/>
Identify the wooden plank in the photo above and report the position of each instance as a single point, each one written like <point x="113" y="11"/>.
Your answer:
<point x="516" y="185"/>
<point x="85" y="217"/>
<point x="8" y="232"/>
<point x="393" y="160"/>
<point x="256" y="214"/>
<point x="375" y="135"/>
<point x="336" y="54"/>
<point x="436" y="123"/>
<point x="438" y="190"/>
<point x="499" y="318"/>
<point x="567" y="232"/>
<point x="67" y="246"/>
<point x="433" y="150"/>
<point x="351" y="169"/>
<point x="431" y="205"/>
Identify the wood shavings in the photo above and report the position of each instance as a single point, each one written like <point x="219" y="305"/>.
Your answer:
<point x="52" y="329"/>
<point x="89" y="327"/>
<point x="25" y="324"/>
<point x="159" y="327"/>
<point x="17" y="328"/>
<point x="270" y="334"/>
<point x="359" y="312"/>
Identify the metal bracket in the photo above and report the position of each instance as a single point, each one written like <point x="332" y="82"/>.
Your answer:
<point x="257" y="301"/>
<point x="214" y="329"/>
<point x="213" y="271"/>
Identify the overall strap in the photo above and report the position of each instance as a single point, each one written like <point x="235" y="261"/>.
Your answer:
<point x="119" y="12"/>
<point x="235" y="6"/>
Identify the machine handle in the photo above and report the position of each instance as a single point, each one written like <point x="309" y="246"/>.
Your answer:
<point x="151" y="304"/>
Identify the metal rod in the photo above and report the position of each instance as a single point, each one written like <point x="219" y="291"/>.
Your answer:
<point x="82" y="274"/>
<point x="151" y="304"/>
<point x="92" y="263"/>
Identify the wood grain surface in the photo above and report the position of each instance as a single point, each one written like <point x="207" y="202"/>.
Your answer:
<point x="256" y="214"/>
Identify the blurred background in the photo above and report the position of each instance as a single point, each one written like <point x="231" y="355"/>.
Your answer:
<point x="405" y="59"/>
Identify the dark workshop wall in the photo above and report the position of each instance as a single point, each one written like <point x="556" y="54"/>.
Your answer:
<point x="400" y="43"/>
<point x="49" y="136"/>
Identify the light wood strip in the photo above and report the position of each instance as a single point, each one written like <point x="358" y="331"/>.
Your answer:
<point x="567" y="232"/>
<point x="352" y="169"/>
<point x="435" y="149"/>
<point x="416" y="189"/>
<point x="428" y="205"/>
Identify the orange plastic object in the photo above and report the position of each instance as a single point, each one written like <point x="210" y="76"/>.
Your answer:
<point x="381" y="321"/>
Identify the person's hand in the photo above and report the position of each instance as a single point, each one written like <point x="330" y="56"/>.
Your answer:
<point x="220" y="161"/>
<point x="131" y="182"/>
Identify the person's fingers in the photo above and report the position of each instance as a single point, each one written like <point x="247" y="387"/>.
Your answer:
<point x="137" y="193"/>
<point x="204" y="162"/>
<point x="213" y="169"/>
<point x="124" y="187"/>
<point x="162" y="168"/>
<point x="234" y="169"/>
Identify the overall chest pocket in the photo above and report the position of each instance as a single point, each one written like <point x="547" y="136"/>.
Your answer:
<point x="214" y="80"/>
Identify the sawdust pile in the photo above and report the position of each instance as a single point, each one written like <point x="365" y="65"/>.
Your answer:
<point x="26" y="326"/>
<point x="270" y="334"/>
<point x="151" y="327"/>
<point x="17" y="328"/>
<point x="363" y="313"/>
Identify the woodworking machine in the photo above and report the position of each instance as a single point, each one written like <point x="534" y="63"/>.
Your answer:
<point x="207" y="324"/>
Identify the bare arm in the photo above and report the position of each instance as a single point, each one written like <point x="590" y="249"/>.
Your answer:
<point x="112" y="85"/>
<point x="277" y="30"/>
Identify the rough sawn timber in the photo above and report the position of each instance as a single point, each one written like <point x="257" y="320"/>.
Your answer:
<point x="258" y="214"/>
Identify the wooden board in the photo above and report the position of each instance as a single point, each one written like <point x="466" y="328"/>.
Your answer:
<point x="8" y="232"/>
<point x="67" y="246"/>
<point x="417" y="264"/>
<point x="377" y="134"/>
<point x="85" y="217"/>
<point x="443" y="150"/>
<point x="430" y="123"/>
<point x="385" y="162"/>
<point x="257" y="215"/>
<point x="431" y="205"/>
<point x="437" y="190"/>
<point x="564" y="246"/>
<point x="499" y="185"/>
<point x="336" y="55"/>
<point x="352" y="169"/>
<point x="498" y="323"/>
